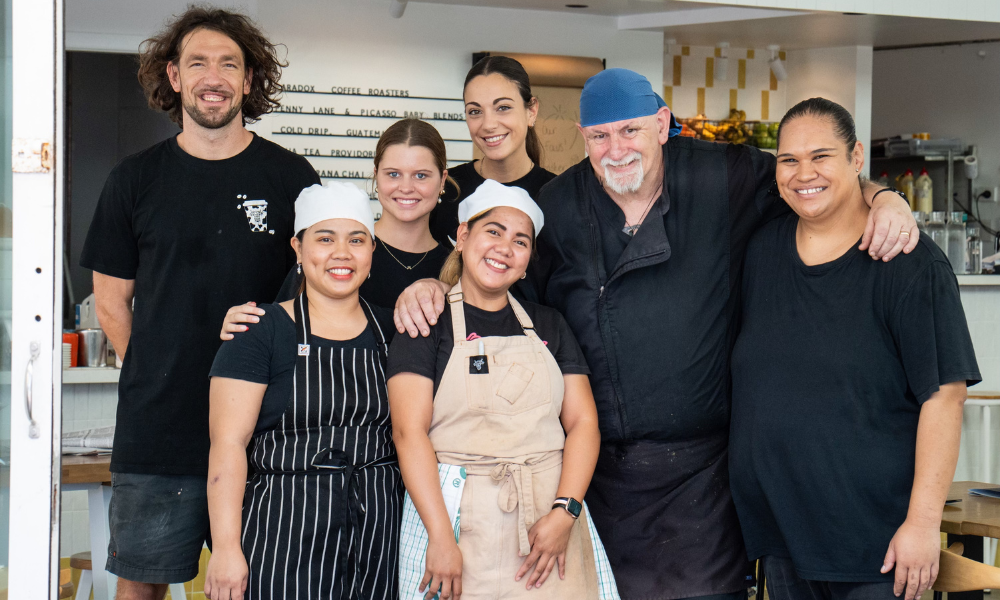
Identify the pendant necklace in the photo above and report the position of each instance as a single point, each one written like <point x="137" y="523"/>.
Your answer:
<point x="410" y="268"/>
<point x="631" y="229"/>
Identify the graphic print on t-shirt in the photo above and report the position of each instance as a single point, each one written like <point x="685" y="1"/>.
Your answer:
<point x="256" y="213"/>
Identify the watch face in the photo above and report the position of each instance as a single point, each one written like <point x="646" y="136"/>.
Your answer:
<point x="574" y="507"/>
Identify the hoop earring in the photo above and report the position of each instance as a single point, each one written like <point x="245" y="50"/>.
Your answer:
<point x="523" y="275"/>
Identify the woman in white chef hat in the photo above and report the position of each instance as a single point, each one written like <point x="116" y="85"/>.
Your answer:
<point x="305" y="389"/>
<point x="483" y="410"/>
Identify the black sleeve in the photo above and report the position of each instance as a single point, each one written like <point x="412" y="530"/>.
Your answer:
<point x="249" y="356"/>
<point x="112" y="246"/>
<point x="930" y="330"/>
<point x="563" y="345"/>
<point x="418" y="356"/>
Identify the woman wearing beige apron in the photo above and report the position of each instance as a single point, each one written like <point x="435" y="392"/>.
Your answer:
<point x="495" y="395"/>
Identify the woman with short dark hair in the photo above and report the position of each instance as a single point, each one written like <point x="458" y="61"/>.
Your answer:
<point x="849" y="377"/>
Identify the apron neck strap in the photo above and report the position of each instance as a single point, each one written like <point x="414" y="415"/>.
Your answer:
<point x="302" y="319"/>
<point x="303" y="327"/>
<point x="456" y="301"/>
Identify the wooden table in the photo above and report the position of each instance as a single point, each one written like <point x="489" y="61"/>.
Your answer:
<point x="968" y="521"/>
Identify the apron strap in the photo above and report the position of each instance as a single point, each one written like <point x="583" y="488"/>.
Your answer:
<point x="376" y="328"/>
<point x="301" y="305"/>
<point x="456" y="300"/>
<point x="522" y="318"/>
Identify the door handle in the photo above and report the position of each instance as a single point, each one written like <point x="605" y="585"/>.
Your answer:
<point x="29" y="381"/>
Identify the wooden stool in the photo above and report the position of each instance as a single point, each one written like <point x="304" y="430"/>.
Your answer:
<point x="65" y="584"/>
<point x="959" y="574"/>
<point x="81" y="561"/>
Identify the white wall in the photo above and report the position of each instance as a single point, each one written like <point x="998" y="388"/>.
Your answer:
<point x="978" y="10"/>
<point x="843" y="75"/>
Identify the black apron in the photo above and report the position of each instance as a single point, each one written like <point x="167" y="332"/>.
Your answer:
<point x="321" y="513"/>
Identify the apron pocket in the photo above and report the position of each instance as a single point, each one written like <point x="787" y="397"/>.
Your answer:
<point x="514" y="383"/>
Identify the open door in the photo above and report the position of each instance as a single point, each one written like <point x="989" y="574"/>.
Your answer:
<point x="30" y="295"/>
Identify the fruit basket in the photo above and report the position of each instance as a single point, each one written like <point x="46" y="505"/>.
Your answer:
<point x="734" y="129"/>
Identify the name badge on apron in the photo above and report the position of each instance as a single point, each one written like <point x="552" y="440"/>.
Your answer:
<point x="303" y="349"/>
<point x="478" y="365"/>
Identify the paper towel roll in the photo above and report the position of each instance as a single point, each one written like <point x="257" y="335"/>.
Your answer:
<point x="971" y="167"/>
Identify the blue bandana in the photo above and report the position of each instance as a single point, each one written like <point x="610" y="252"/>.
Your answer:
<point x="617" y="95"/>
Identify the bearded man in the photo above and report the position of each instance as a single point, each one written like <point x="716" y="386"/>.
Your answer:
<point x="643" y="255"/>
<point x="183" y="230"/>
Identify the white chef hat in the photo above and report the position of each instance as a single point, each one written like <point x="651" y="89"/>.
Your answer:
<point x="492" y="194"/>
<point x="333" y="200"/>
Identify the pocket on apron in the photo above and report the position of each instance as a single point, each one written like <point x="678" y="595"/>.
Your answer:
<point x="513" y="384"/>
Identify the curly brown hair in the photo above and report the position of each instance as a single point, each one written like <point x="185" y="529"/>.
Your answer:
<point x="259" y="55"/>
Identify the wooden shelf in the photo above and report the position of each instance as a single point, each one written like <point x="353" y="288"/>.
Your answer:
<point x="91" y="375"/>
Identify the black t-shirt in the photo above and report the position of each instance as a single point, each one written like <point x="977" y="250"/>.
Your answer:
<point x="389" y="278"/>
<point x="444" y="217"/>
<point x="830" y="369"/>
<point x="197" y="236"/>
<point x="267" y="351"/>
<point x="428" y="356"/>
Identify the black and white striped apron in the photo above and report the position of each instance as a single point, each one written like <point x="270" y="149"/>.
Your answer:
<point x="321" y="515"/>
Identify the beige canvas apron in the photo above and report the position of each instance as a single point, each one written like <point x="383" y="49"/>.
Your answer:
<point x="500" y="420"/>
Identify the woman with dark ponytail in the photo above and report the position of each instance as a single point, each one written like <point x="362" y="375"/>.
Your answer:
<point x="500" y="112"/>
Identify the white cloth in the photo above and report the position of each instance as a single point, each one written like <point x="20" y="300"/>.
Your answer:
<point x="333" y="200"/>
<point x="492" y="194"/>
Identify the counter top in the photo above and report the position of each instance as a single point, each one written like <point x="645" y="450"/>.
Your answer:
<point x="91" y="375"/>
<point x="978" y="280"/>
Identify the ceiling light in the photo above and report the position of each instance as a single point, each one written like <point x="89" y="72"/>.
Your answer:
<point x="577" y="6"/>
<point x="777" y="65"/>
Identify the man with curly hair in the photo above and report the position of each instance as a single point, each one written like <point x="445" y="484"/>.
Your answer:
<point x="183" y="230"/>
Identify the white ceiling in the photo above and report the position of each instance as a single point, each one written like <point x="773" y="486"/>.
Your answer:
<point x="827" y="30"/>
<point x="607" y="8"/>
<point x="807" y="30"/>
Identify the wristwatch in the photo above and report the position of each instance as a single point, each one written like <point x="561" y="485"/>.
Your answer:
<point x="572" y="506"/>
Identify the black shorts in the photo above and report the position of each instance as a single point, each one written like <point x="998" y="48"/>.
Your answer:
<point x="159" y="524"/>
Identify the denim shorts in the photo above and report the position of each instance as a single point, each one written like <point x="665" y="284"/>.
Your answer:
<point x="159" y="524"/>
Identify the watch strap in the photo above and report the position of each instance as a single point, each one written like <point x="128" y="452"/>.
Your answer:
<point x="571" y="505"/>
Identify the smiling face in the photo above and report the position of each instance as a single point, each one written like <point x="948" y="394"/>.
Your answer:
<point x="496" y="249"/>
<point x="497" y="117"/>
<point x="211" y="78"/>
<point x="816" y="174"/>
<point x="409" y="182"/>
<point x="623" y="152"/>
<point x="336" y="256"/>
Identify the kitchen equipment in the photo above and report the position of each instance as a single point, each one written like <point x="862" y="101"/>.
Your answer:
<point x="956" y="242"/>
<point x="74" y="341"/>
<point x="913" y="147"/>
<point x="936" y="229"/>
<point x="93" y="348"/>
<point x="921" y="219"/>
<point x="975" y="250"/>
<point x="88" y="314"/>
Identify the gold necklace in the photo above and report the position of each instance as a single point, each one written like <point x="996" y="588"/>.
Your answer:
<point x="386" y="246"/>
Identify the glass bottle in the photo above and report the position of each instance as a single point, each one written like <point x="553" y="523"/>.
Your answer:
<point x="975" y="266"/>
<point x="936" y="229"/>
<point x="921" y="218"/>
<point x="957" y="243"/>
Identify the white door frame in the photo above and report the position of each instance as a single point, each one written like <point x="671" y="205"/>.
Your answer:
<point x="38" y="119"/>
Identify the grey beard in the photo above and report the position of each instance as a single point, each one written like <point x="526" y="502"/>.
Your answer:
<point x="620" y="187"/>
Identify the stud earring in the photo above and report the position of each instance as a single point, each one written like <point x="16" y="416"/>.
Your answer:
<point x="299" y="269"/>
<point x="857" y="170"/>
<point x="523" y="275"/>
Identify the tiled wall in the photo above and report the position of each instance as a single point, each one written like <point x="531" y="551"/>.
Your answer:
<point x="87" y="406"/>
<point x="690" y="87"/>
